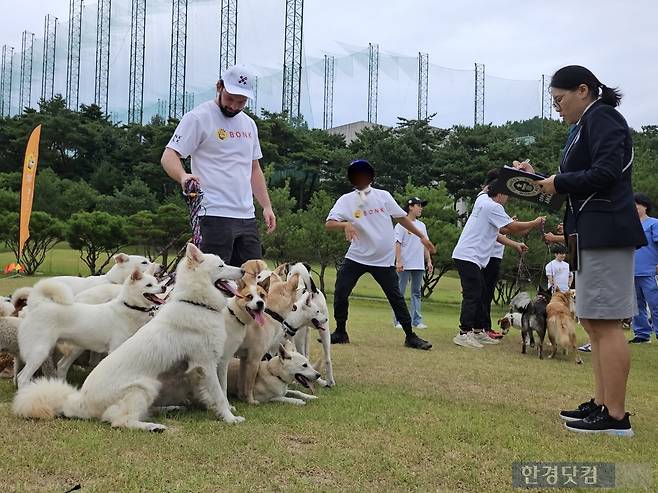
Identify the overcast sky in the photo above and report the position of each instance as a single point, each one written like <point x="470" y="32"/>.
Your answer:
<point x="617" y="40"/>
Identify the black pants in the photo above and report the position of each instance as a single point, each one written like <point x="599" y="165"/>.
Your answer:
<point x="490" y="273"/>
<point x="347" y="277"/>
<point x="234" y="240"/>
<point x="472" y="281"/>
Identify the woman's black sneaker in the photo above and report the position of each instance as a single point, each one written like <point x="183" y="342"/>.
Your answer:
<point x="602" y="422"/>
<point x="583" y="411"/>
<point x="415" y="342"/>
<point x="340" y="338"/>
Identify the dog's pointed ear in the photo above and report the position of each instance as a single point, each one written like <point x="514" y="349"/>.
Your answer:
<point x="309" y="298"/>
<point x="193" y="254"/>
<point x="265" y="283"/>
<point x="314" y="288"/>
<point x="293" y="282"/>
<point x="136" y="275"/>
<point x="283" y="354"/>
<point x="121" y="258"/>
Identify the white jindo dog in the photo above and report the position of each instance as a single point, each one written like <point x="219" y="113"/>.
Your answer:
<point x="107" y="292"/>
<point x="54" y="317"/>
<point x="319" y="319"/>
<point x="124" y="265"/>
<point x="188" y="329"/>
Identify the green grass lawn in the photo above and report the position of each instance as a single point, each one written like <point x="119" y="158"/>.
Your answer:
<point x="451" y="419"/>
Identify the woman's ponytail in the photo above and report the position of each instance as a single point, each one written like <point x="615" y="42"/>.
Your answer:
<point x="610" y="95"/>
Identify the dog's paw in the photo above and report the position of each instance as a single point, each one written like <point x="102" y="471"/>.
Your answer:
<point x="311" y="397"/>
<point x="156" y="428"/>
<point x="253" y="402"/>
<point x="233" y="420"/>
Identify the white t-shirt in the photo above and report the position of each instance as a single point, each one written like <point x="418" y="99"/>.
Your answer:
<point x="376" y="242"/>
<point x="481" y="231"/>
<point x="560" y="272"/>
<point x="412" y="251"/>
<point x="222" y="151"/>
<point x="498" y="250"/>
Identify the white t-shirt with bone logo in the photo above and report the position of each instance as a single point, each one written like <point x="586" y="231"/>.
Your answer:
<point x="222" y="151"/>
<point x="375" y="245"/>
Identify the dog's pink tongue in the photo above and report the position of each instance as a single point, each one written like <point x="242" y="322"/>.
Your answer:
<point x="258" y="317"/>
<point x="230" y="288"/>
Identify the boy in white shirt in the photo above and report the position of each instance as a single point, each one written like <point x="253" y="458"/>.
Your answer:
<point x="364" y="216"/>
<point x="411" y="259"/>
<point x="471" y="255"/>
<point x="557" y="271"/>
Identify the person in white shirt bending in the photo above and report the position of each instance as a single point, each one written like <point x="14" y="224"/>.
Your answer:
<point x="487" y="222"/>
<point x="364" y="215"/>
<point x="223" y="143"/>
<point x="411" y="260"/>
<point x="557" y="271"/>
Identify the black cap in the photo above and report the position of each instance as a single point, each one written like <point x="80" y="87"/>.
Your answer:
<point x="414" y="201"/>
<point x="360" y="166"/>
<point x="643" y="199"/>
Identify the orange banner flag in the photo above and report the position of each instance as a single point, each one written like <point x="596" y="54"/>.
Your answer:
<point x="27" y="189"/>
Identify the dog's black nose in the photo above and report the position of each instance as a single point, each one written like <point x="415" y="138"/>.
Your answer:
<point x="317" y="375"/>
<point x="243" y="271"/>
<point x="260" y="304"/>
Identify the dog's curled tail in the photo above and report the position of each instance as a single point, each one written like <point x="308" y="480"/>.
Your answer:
<point x="20" y="295"/>
<point x="304" y="275"/>
<point x="51" y="290"/>
<point x="47" y="398"/>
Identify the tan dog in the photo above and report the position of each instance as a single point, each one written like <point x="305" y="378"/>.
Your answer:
<point x="281" y="298"/>
<point x="561" y="323"/>
<point x="244" y="313"/>
<point x="252" y="269"/>
<point x="274" y="377"/>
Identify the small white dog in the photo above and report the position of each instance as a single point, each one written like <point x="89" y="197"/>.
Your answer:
<point x="53" y="316"/>
<point x="188" y="329"/>
<point x="107" y="292"/>
<point x="124" y="265"/>
<point x="274" y="377"/>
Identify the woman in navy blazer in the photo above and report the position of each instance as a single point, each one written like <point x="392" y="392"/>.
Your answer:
<point x="602" y="223"/>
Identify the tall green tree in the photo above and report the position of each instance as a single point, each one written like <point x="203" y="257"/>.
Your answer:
<point x="98" y="236"/>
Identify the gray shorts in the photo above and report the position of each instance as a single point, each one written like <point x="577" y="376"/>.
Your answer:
<point x="605" y="284"/>
<point x="234" y="240"/>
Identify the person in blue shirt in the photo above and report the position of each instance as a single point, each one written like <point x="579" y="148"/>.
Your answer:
<point x="646" y="268"/>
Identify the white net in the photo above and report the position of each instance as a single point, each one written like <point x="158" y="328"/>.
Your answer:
<point x="260" y="46"/>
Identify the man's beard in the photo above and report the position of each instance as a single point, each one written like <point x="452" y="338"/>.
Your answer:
<point x="225" y="111"/>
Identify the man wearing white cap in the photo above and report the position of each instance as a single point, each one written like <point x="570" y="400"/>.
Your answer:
<point x="223" y="143"/>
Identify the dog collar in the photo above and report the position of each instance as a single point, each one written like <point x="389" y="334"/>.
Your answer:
<point x="289" y="329"/>
<point x="235" y="316"/>
<point x="149" y="310"/>
<point x="202" y="305"/>
<point x="277" y="376"/>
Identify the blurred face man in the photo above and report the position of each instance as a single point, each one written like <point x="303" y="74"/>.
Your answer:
<point x="361" y="180"/>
